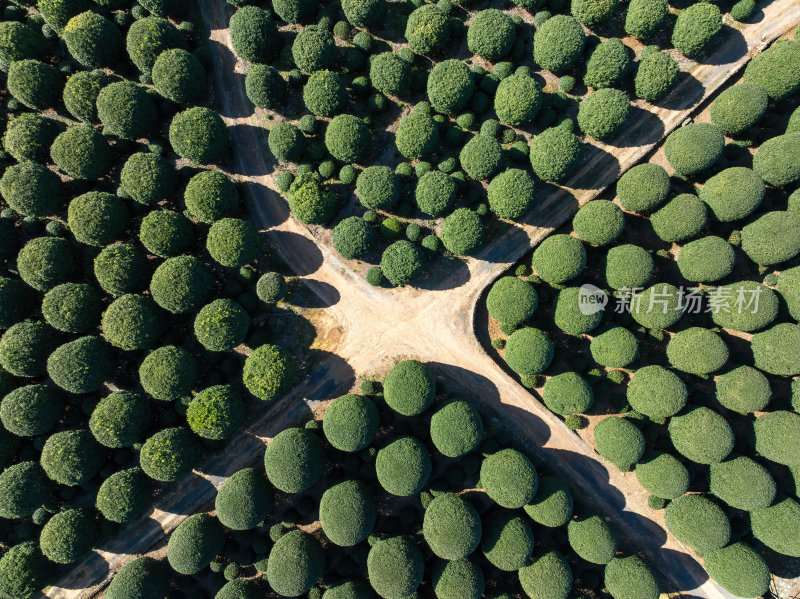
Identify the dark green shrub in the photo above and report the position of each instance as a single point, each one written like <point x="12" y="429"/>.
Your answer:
<point x="552" y="504"/>
<point x="350" y="423"/>
<point x="450" y="86"/>
<point x="93" y="40"/>
<point x="772" y="350"/>
<point x="325" y="93"/>
<point x="656" y="74"/>
<point x="132" y="322"/>
<point x="696" y="27"/>
<point x="244" y="500"/>
<point x="643" y="187"/>
<point x="353" y="237"/>
<point x="144" y="577"/>
<point x="97" y="218"/>
<point x="271" y="288"/>
<point x="735" y="306"/>
<point x="24" y="571"/>
<point x="435" y="193"/>
<point x="170" y="454"/>
<point x="554" y="153"/>
<point x="511" y="301"/>
<point x="25" y="487"/>
<point x="559" y="258"/>
<point x="456" y="429"/>
<point x="481" y="157"/>
<point x="195" y="543"/>
<point x="168" y="373"/>
<point x="772" y="238"/>
<point x="199" y="134"/>
<point x="628" y="267"/>
<point x="631" y="578"/>
<point x="451" y="527"/>
<point x="775" y="435"/>
<point x="778" y="526"/>
<point x="254" y="34"/>
<point x="528" y="351"/>
<point x="657" y="307"/>
<point x="293" y="11"/>
<point x="558" y="43"/>
<point x="774" y="69"/>
<point x="789" y="289"/>
<point x="294" y="460"/>
<point x="508" y="541"/>
<point x="148" y="38"/>
<point x="656" y="392"/>
<point x="221" y="325"/>
<point x="409" y="388"/>
<point x="491" y="34"/>
<point x="390" y="74"/>
<point x="567" y="393"/>
<point x="620" y="442"/>
<point x="265" y="86"/>
<point x="698" y="522"/>
<point x="773" y="163"/>
<point x="662" y="475"/>
<point x="34" y="84"/>
<point x="644" y="18"/>
<point x="427" y="29"/>
<point x="121" y="419"/>
<point x="548" y="576"/>
<point x="395" y="567"/>
<point x="314" y="49"/>
<point x="72" y="307"/>
<point x="28" y="137"/>
<point x="511" y="193"/>
<point x="458" y="579"/>
<point x="739" y="107"/>
<point x="694" y="148"/>
<point x="598" y="222"/>
<point x="148" y="178"/>
<point x="462" y="232"/>
<point x="347" y="512"/>
<point x="165" y="233"/>
<point x="123" y="497"/>
<point x="364" y="13"/>
<point x="31" y="410"/>
<point x="269" y="372"/>
<point x="733" y="194"/>
<point x="417" y="135"/>
<point x="615" y="348"/>
<point x="210" y="196"/>
<point x="739" y="570"/>
<point x="592" y="538"/>
<point x="18" y="42"/>
<point x="216" y="412"/>
<point x="121" y="269"/>
<point x="232" y="242"/>
<point x="80" y="366"/>
<point x="68" y="535"/>
<point x="403" y="466"/>
<point x="378" y="188"/>
<point x="697" y="350"/>
<point x="701" y="435"/>
<point x="518" y="99"/>
<point x="179" y="76"/>
<point x="311" y="201"/>
<point x="743" y="390"/>
<point x="32" y="189"/>
<point x="71" y="457"/>
<point x="347" y="138"/>
<point x="607" y="62"/>
<point x="509" y="478"/>
<point x="706" y="259"/>
<point x="296" y="562"/>
<point x="684" y="216"/>
<point x="742" y="483"/>
<point x="286" y="142"/>
<point x="24" y="348"/>
<point x="401" y="262"/>
<point x="593" y="12"/>
<point x="80" y="94"/>
<point x="126" y="110"/>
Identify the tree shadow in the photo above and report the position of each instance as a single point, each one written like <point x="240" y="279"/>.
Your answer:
<point x="247" y="138"/>
<point x="444" y="273"/>
<point x="228" y="60"/>
<point x="732" y="46"/>
<point x="688" y="92"/>
<point x="267" y="206"/>
<point x="596" y="169"/>
<point x="310" y="293"/>
<point x="305" y="257"/>
<point x="643" y="128"/>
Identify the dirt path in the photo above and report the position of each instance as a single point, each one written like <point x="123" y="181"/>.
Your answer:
<point x="436" y="325"/>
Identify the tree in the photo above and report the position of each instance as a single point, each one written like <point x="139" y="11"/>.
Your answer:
<point x="395" y="566"/>
<point x="168" y="373"/>
<point x="199" y="134"/>
<point x="462" y="231"/>
<point x="518" y="99"/>
<point x="491" y="34"/>
<point x="701" y="435"/>
<point x="790" y="292"/>
<point x="72" y="457"/>
<point x="656" y="74"/>
<point x="644" y="18"/>
<point x="615" y="348"/>
<point x="18" y="42"/>
<point x="656" y="392"/>
<point x="695" y="147"/>
<point x="314" y="49"/>
<point x="743" y="390"/>
<point x="286" y="142"/>
<point x="628" y="267"/>
<point x="165" y="233"/>
<point x="567" y="393"/>
<point x="528" y="351"/>
<point x="32" y="189"/>
<point x="619" y="441"/>
<point x="698" y="522"/>
<point x="148" y="178"/>
<point x="509" y="478"/>
<point x="24" y="348"/>
<point x="593" y="12"/>
<point x="554" y="153"/>
<point x="665" y="313"/>
<point x="558" y="43"/>
<point x="28" y="137"/>
<point x="221" y="325"/>
<point x="271" y="288"/>
<point x="211" y="196"/>
<point x="82" y="153"/>
<point x="508" y="541"/>
<point x="739" y="570"/>
<point x="592" y="538"/>
<point x="458" y="579"/>
<point x="364" y="13"/>
<point x="170" y="454"/>
<point x="232" y="242"/>
<point x="80" y="94"/>
<point x="126" y="110"/>
<point x="269" y="372"/>
<point x="148" y="38"/>
<point x="697" y="350"/>
<point x="68" y="535"/>
<point x="481" y="157"/>
<point x="195" y="543"/>
<point x="293" y="11"/>
<point x="390" y="74"/>
<point x="181" y="284"/>
<point x="24" y="571"/>
<point x="401" y="262"/>
<point x="403" y="466"/>
<point x="774" y="433"/>
<point x="294" y="460"/>
<point x="778" y="526"/>
<point x="733" y="193"/>
<point x="144" y="576"/>
<point x="124" y="496"/>
<point x="97" y="218"/>
<point x="456" y="429"/>
<point x="353" y="237"/>
<point x="265" y="86"/>
<point x="72" y="307"/>
<point x="244" y="500"/>
<point x="121" y="268"/>
<point x="742" y="483"/>
<point x="662" y="475"/>
<point x="631" y="578"/>
<point x="773" y="69"/>
<point x="644" y="187"/>
<point x="452" y="527"/>
<point x="607" y="63"/>
<point x="772" y="162"/>
<point x="409" y="388"/>
<point x="552" y="504"/>
<point x="121" y="419"/>
<point x="417" y="134"/>
<point x="31" y="410"/>
<point x="548" y="576"/>
<point x="426" y="29"/>
<point x="34" y="84"/>
<point x="351" y="422"/>
<point x="684" y="216"/>
<point x="216" y="412"/>
<point x="347" y="512"/>
<point x="325" y="93"/>
<point x="739" y="107"/>
<point x="132" y="322"/>
<point x="347" y="138"/>
<point x="772" y="238"/>
<point x="696" y="27"/>
<point x="254" y="34"/>
<point x="511" y="301"/>
<point x="559" y="258"/>
<point x="93" y="40"/>
<point x="179" y="76"/>
<point x="435" y="193"/>
<point x="378" y="188"/>
<point x="25" y="487"/>
<point x="296" y="562"/>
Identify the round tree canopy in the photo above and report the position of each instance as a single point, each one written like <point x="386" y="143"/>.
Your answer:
<point x="742" y="483"/>
<point x="350" y="422"/>
<point x="294" y="460"/>
<point x="701" y="435"/>
<point x="403" y="466"/>
<point x="509" y="478"/>
<point x="409" y="388"/>
<point x="452" y="526"/>
<point x="662" y="475"/>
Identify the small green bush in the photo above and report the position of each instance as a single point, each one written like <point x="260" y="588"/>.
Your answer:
<point x="706" y="259"/>
<point x="452" y="527"/>
<point x="311" y="201"/>
<point x="662" y="475"/>
<point x="32" y="189"/>
<point x="93" y="40"/>
<point x="552" y="504"/>
<point x="684" y="216"/>
<point x="286" y="142"/>
<point x="631" y="578"/>
<point x="569" y="315"/>
<point x="269" y="372"/>
<point x="644" y="187"/>
<point x="294" y="460"/>
<point x="739" y="570"/>
<point x="567" y="393"/>
<point x="265" y="86"/>
<point x="352" y="589"/>
<point x="774" y="69"/>
<point x="598" y="222"/>
<point x="528" y="351"/>
<point x="68" y="536"/>
<point x="427" y="29"/>
<point x="24" y="571"/>
<point x="559" y="258"/>
<point x="614" y="348"/>
<point x="254" y="34"/>
<point x="121" y="268"/>
<point x="592" y="538"/>
<point x="325" y="93"/>
<point x="518" y="99"/>
<point x="450" y="86"/>
<point x="593" y="12"/>
<point x="120" y="419"/>
<point x="698" y="522"/>
<point x="168" y="373"/>
<point x="508" y="540"/>
<point x="401" y="262"/>
<point x="789" y="289"/>
<point x="509" y="478"/>
<point x="628" y="267"/>
<point x="211" y="196"/>
<point x="148" y="37"/>
<point x="353" y="237"/>
<point x="28" y="137"/>
<point x="313" y="49"/>
<point x="200" y="135"/>
<point x="126" y="110"/>
<point x="141" y="573"/>
<point x="34" y="84"/>
<point x="695" y="147"/>
<point x="195" y="543"/>
<point x="31" y="410"/>
<point x="181" y="284"/>
<point x="701" y="435"/>
<point x="620" y="442"/>
<point x="772" y="238"/>
<point x="293" y="11"/>
<point x="548" y="576"/>
<point x="491" y="34"/>
<point x="232" y="242"/>
<point x="656" y="74"/>
<point x="458" y="579"/>
<point x="774" y="434"/>
<point x="132" y="322"/>
<point x="97" y="218"/>
<point x="25" y="487"/>
<point x="656" y="392"/>
<point x="558" y="43"/>
<point x="71" y="457"/>
<point x="351" y="422"/>
<point x="347" y="513"/>
<point x="24" y="348"/>
<point x="80" y="94"/>
<point x="772" y="162"/>
<point x="216" y="412"/>
<point x="462" y="232"/>
<point x="739" y="107"/>
<point x="554" y="153"/>
<point x="378" y="188"/>
<point x="742" y="483"/>
<point x="395" y="567"/>
<point x="657" y="307"/>
<point x="511" y="301"/>
<point x="148" y="178"/>
<point x="644" y="18"/>
<point x="608" y="61"/>
<point x="221" y="325"/>
<point x="18" y="42"/>
<point x="347" y="138"/>
<point x="745" y="306"/>
<point x="696" y="27"/>
<point x="364" y="13"/>
<point x="456" y="429"/>
<point x="179" y="76"/>
<point x="403" y="466"/>
<point x="733" y="193"/>
<point x="72" y="307"/>
<point x="80" y="366"/>
<point x="271" y="288"/>
<point x="244" y="500"/>
<point x="743" y="390"/>
<point x="697" y="350"/>
<point x="409" y="388"/>
<point x="123" y="497"/>
<point x="170" y="454"/>
<point x="511" y="193"/>
<point x="390" y="74"/>
<point x="435" y="193"/>
<point x="778" y="526"/>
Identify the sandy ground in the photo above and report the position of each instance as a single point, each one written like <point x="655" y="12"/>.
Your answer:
<point x="370" y="328"/>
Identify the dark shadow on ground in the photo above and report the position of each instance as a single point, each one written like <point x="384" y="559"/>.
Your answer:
<point x="249" y="138"/>
<point x="686" y="94"/>
<point x="308" y="293"/>
<point x="306" y="256"/>
<point x="642" y="128"/>
<point x="596" y="169"/>
<point x="444" y="273"/>
<point x="734" y="43"/>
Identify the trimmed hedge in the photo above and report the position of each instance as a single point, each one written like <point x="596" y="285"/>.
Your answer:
<point x="614" y="348"/>
<point x="195" y="543"/>
<point x="427" y="29"/>
<point x="701" y="435"/>
<point x="351" y="422"/>
<point x="144" y="577"/>
<point x="120" y="419"/>
<point x="567" y="393"/>
<point x="643" y="187"/>
<point x="325" y="93"/>
<point x="403" y="466"/>
<point x="697" y="350"/>
<point x="739" y="107"/>
<point x="294" y="460"/>
<point x="558" y="43"/>
<point x="364" y="13"/>
<point x="313" y="49"/>
<point x="518" y="99"/>
<point x="662" y="475"/>
<point x="603" y="113"/>
<point x="121" y="268"/>
<point x="620" y="442"/>
<point x="32" y="189"/>
<point x="271" y="288"/>
<point x="68" y="536"/>
<point x="694" y="147"/>
<point x="742" y="483"/>
<point x="644" y="18"/>
<point x="417" y="135"/>
<point x="598" y="222"/>
<point x="296" y="562"/>
<point x="657" y="392"/>
<point x="743" y="390"/>
<point x="509" y="478"/>
<point x="347" y="138"/>
<point x="244" y="500"/>
<point x="548" y="576"/>
<point x="216" y="412"/>
<point x="390" y="74"/>
<point x="353" y="237"/>
<point x="657" y="307"/>
<point x="607" y="62"/>
<point x="170" y="454"/>
<point x="511" y="193"/>
<point x="148" y="37"/>
<point x="462" y="232"/>
<point x="80" y="366"/>
<point x="124" y="497"/>
<point x="745" y="306"/>
<point x="148" y="178"/>
<point x="528" y="351"/>
<point x="733" y="194"/>
<point x="132" y="322"/>
<point x="168" y="373"/>
<point x="773" y="163"/>
<point x="265" y="87"/>
<point x="232" y="242"/>
<point x="200" y="135"/>
<point x="181" y="284"/>
<point x="72" y="307"/>
<point x="409" y="388"/>
<point x="772" y="238"/>
<point x="24" y="571"/>
<point x="778" y="526"/>
<point x="656" y="74"/>
<point x="80" y="94"/>
<point x="706" y="259"/>
<point x="24" y="348"/>
<point x="559" y="258"/>
<point x="628" y="267"/>
<point x="776" y="434"/>
<point x="401" y="263"/>
<point x="18" y="42"/>
<point x="739" y="570"/>
<point x="511" y="301"/>
<point x="698" y="522"/>
<point x="696" y="27"/>
<point x="452" y="526"/>
<point x="456" y="429"/>
<point x="378" y="188"/>
<point x="395" y="567"/>
<point x="631" y="578"/>
<point x="775" y="70"/>
<point x="593" y="12"/>
<point x="491" y="34"/>
<point x="34" y="84"/>
<point x="684" y="216"/>
<point x="435" y="193"/>
<point x="28" y="137"/>
<point x="25" y="487"/>
<point x="508" y="540"/>
<point x="552" y="504"/>
<point x="269" y="372"/>
<point x="458" y="579"/>
<point x="450" y="86"/>
<point x="97" y="218"/>
<point x="179" y="76"/>
<point x="554" y="153"/>
<point x="293" y="11"/>
<point x="72" y="457"/>
<point x="311" y="201"/>
<point x="93" y="40"/>
<point x="31" y="410"/>
<point x="254" y="34"/>
<point x="126" y="110"/>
